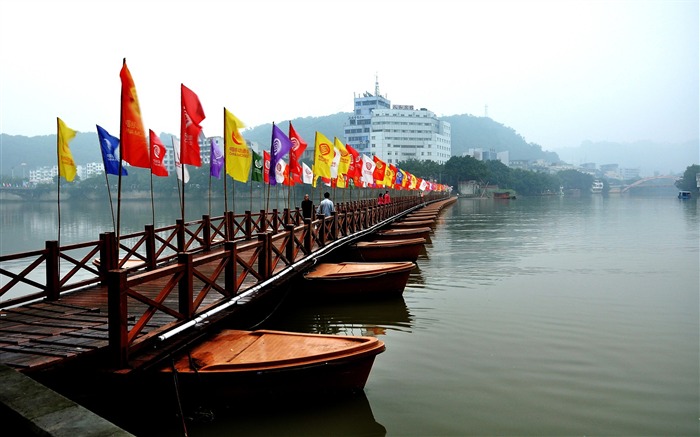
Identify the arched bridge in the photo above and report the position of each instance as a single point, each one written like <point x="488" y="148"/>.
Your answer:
<point x="644" y="182"/>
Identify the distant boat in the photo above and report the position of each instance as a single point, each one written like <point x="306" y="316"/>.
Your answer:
<point x="388" y="250"/>
<point x="503" y="195"/>
<point x="597" y="186"/>
<point x="363" y="280"/>
<point x="237" y="363"/>
<point x="683" y="195"/>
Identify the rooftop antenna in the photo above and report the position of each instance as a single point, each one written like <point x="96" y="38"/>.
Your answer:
<point x="486" y="111"/>
<point x="376" y="84"/>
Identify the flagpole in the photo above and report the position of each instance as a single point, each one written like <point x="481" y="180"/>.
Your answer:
<point x="153" y="208"/>
<point x="58" y="180"/>
<point x="182" y="203"/>
<point x="109" y="193"/>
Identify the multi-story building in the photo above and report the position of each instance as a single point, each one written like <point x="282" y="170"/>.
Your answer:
<point x="397" y="133"/>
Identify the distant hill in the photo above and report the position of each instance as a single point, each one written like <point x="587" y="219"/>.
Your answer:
<point x="647" y="156"/>
<point x="467" y="132"/>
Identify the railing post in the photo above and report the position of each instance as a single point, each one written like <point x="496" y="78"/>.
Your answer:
<point x="286" y="217"/>
<point x="263" y="220"/>
<point x="117" y="317"/>
<point x="180" y="235"/>
<point x="206" y="232"/>
<point x="53" y="279"/>
<point x="308" y="235"/>
<point x="186" y="284"/>
<point x="290" y="242"/>
<point x="275" y="220"/>
<point x="297" y="217"/>
<point x="108" y="256"/>
<point x="322" y="229"/>
<point x="334" y="225"/>
<point x="230" y="269"/>
<point x="265" y="259"/>
<point x="248" y="225"/>
<point x="150" y="246"/>
<point x="230" y="220"/>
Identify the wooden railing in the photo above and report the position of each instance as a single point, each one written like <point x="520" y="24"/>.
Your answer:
<point x="237" y="250"/>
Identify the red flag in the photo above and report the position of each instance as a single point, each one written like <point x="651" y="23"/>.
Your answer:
<point x="192" y="116"/>
<point x="355" y="168"/>
<point x="134" y="147"/>
<point x="157" y="155"/>
<point x="379" y="170"/>
<point x="298" y="147"/>
<point x="266" y="166"/>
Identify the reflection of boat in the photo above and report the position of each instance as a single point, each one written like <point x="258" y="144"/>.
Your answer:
<point x="358" y="279"/>
<point x="684" y="195"/>
<point x="388" y="250"/>
<point x="597" y="186"/>
<point x="403" y="233"/>
<point x="239" y="363"/>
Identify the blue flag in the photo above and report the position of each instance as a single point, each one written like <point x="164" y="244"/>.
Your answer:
<point x="281" y="145"/>
<point x="399" y="178"/>
<point x="109" y="145"/>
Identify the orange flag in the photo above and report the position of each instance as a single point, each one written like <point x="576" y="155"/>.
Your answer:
<point x="134" y="146"/>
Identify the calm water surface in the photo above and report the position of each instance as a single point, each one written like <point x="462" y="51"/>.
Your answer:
<point x="542" y="316"/>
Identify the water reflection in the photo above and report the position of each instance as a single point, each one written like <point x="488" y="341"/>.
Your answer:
<point x="371" y="318"/>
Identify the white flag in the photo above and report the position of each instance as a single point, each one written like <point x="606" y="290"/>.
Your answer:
<point x="335" y="163"/>
<point x="178" y="166"/>
<point x="307" y="176"/>
<point x="368" y="166"/>
<point x="279" y="171"/>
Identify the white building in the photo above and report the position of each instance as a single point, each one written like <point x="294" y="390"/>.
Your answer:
<point x="397" y="133"/>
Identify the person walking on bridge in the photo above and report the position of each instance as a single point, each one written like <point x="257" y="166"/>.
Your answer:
<point x="326" y="207"/>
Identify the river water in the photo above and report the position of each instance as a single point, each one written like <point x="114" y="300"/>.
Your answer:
<point x="537" y="316"/>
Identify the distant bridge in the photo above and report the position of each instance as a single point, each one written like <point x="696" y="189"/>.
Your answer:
<point x="643" y="182"/>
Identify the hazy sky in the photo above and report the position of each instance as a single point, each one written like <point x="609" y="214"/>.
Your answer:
<point x="557" y="72"/>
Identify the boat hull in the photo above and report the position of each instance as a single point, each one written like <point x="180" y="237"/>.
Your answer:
<point x="403" y="233"/>
<point x="388" y="250"/>
<point x="380" y="280"/>
<point x="262" y="363"/>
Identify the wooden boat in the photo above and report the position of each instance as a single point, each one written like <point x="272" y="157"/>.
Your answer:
<point x="403" y="233"/>
<point x="683" y="195"/>
<point x="362" y="280"/>
<point x="503" y="195"/>
<point x="412" y="223"/>
<point x="387" y="250"/>
<point x="264" y="362"/>
<point x="421" y="216"/>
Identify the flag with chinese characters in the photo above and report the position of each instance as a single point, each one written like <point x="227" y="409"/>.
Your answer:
<point x="133" y="136"/>
<point x="157" y="155"/>
<point x="368" y="167"/>
<point x="238" y="154"/>
<point x="66" y="164"/>
<point x="192" y="115"/>
<point x="108" y="145"/>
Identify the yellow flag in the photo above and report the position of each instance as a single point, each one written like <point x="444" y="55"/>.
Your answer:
<point x="323" y="156"/>
<point x="238" y="156"/>
<point x="345" y="157"/>
<point x="389" y="176"/>
<point x="66" y="165"/>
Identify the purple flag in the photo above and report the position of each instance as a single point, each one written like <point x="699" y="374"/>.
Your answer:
<point x="281" y="145"/>
<point x="216" y="159"/>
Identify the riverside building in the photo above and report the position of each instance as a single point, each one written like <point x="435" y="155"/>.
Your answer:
<point x="397" y="133"/>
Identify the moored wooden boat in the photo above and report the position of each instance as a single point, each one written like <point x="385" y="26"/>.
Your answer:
<point x="259" y="363"/>
<point x="361" y="280"/>
<point x="402" y="233"/>
<point x="406" y="249"/>
<point x="412" y="223"/>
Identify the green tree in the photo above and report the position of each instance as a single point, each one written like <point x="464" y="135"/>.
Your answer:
<point x="689" y="180"/>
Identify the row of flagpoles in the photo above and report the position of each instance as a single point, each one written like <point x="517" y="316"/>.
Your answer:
<point x="338" y="165"/>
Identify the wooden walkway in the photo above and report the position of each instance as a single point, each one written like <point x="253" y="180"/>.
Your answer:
<point x="122" y="323"/>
